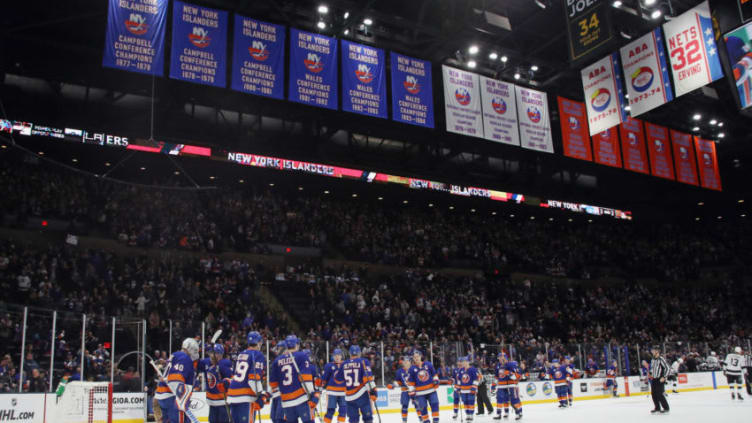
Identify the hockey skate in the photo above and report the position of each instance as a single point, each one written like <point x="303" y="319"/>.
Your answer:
<point x="454" y="417"/>
<point x="733" y="396"/>
<point x="739" y="397"/>
<point x="519" y="417"/>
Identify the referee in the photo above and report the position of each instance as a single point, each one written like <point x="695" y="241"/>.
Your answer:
<point x="658" y="372"/>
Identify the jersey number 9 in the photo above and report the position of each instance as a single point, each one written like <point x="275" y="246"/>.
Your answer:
<point x="241" y="370"/>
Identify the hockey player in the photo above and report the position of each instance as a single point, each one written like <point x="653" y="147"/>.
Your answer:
<point x="559" y="375"/>
<point x="246" y="393"/>
<point x="673" y="374"/>
<point x="174" y="391"/>
<point x="333" y="382"/>
<point x="732" y="368"/>
<point x="591" y="368"/>
<point x="217" y="372"/>
<point x="712" y="361"/>
<point x="611" y="384"/>
<point x="360" y="389"/>
<point x="499" y="387"/>
<point x="424" y="381"/>
<point x="570" y="375"/>
<point x="456" y="372"/>
<point x="469" y="381"/>
<point x="292" y="374"/>
<point x="275" y="414"/>
<point x="400" y="379"/>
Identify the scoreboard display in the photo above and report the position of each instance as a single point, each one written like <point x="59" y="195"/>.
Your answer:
<point x="588" y="26"/>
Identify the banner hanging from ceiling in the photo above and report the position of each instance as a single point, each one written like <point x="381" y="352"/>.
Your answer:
<point x="739" y="49"/>
<point x="644" y="64"/>
<point x="574" y="129"/>
<point x="199" y="44"/>
<point x="707" y="161"/>
<point x="135" y="36"/>
<point x="684" y="157"/>
<point x="604" y="96"/>
<point x="606" y="149"/>
<point x="412" y="91"/>
<point x="462" y="102"/>
<point x="258" y="59"/>
<point x="313" y="69"/>
<point x="659" y="149"/>
<point x="499" y="111"/>
<point x="633" y="146"/>
<point x="363" y="80"/>
<point x="692" y="51"/>
<point x="534" y="119"/>
<point x="588" y="26"/>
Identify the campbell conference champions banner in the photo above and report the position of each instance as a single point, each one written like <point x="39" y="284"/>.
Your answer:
<point x="462" y="102"/>
<point x="708" y="163"/>
<point x="633" y="146"/>
<point x="604" y="96"/>
<point x="646" y="73"/>
<point x="412" y="90"/>
<point x="499" y="111"/>
<point x="574" y="129"/>
<point x="535" y="125"/>
<point x="258" y="58"/>
<point x="135" y="36"/>
<point x="684" y="157"/>
<point x="313" y="69"/>
<point x="199" y="44"/>
<point x="659" y="149"/>
<point x="692" y="50"/>
<point x="363" y="80"/>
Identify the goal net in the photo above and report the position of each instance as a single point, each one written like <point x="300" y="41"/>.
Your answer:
<point x="85" y="402"/>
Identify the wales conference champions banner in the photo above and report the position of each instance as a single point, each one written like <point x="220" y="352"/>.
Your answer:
<point x="135" y="36"/>
<point x="363" y="80"/>
<point x="412" y="91"/>
<point x="313" y="69"/>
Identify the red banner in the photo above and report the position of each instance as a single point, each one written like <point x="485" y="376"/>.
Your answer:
<point x="574" y="129"/>
<point x="633" y="146"/>
<point x="708" y="163"/>
<point x="606" y="149"/>
<point x="659" y="149"/>
<point x="684" y="157"/>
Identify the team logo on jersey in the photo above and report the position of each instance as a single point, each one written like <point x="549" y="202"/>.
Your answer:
<point x="199" y="37"/>
<point x="547" y="388"/>
<point x="180" y="390"/>
<point x="411" y="84"/>
<point x="642" y="79"/>
<point x="533" y="114"/>
<point x="557" y="374"/>
<point x="706" y="159"/>
<point x="423" y="376"/>
<point x="600" y="99"/>
<point x="211" y="380"/>
<point x="136" y="24"/>
<point x="499" y="105"/>
<point x="364" y="73"/>
<point x="658" y="145"/>
<point x="683" y="153"/>
<point x="574" y="123"/>
<point x="501" y="373"/>
<point x="632" y="138"/>
<point x="531" y="389"/>
<point x="462" y="95"/>
<point x="258" y="50"/>
<point x="313" y="63"/>
<point x="465" y="378"/>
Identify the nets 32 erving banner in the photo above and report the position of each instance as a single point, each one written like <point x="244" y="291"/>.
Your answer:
<point x="684" y="157"/>
<point x="412" y="90"/>
<point x="462" y="102"/>
<point x="692" y="51"/>
<point x="258" y="58"/>
<point x="135" y="36"/>
<point x="707" y="161"/>
<point x="199" y="44"/>
<point x="363" y="80"/>
<point x="313" y="69"/>
<point x="646" y="73"/>
<point x="535" y="124"/>
<point x="574" y="129"/>
<point x="499" y="111"/>
<point x="604" y="96"/>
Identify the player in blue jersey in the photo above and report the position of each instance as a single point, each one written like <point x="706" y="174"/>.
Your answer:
<point x="174" y="391"/>
<point x="292" y="374"/>
<point x="611" y="384"/>
<point x="424" y="381"/>
<point x="559" y="375"/>
<point x="217" y="371"/>
<point x="360" y="389"/>
<point x="401" y="380"/>
<point x="275" y="414"/>
<point x="570" y="375"/>
<point x="333" y="382"/>
<point x="500" y="386"/>
<point x="456" y="371"/>
<point x="469" y="381"/>
<point x="515" y="375"/>
<point x="246" y="394"/>
<point x="591" y="368"/>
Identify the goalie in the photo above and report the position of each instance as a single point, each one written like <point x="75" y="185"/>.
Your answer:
<point x="174" y="390"/>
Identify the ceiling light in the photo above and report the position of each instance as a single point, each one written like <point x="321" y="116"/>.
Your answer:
<point x="326" y="192"/>
<point x="143" y="168"/>
<point x="347" y="31"/>
<point x="504" y="59"/>
<point x="271" y="184"/>
<point x="404" y="201"/>
<point x="534" y="68"/>
<point x="617" y="3"/>
<point x="41" y="153"/>
<point x="744" y="215"/>
<point x="367" y="21"/>
<point x="473" y="49"/>
<point x="451" y="207"/>
<point x="649" y="2"/>
<point x="700" y="203"/>
<point x="347" y="15"/>
<point x="590" y="221"/>
<point x="740" y="201"/>
<point x="713" y="121"/>
<point x="720" y="124"/>
<point x="697" y="116"/>
<point x="695" y="129"/>
<point x="300" y="188"/>
<point x="697" y="218"/>
<point x="540" y="4"/>
<point x="493" y="213"/>
<point x="211" y="177"/>
<point x="472" y="210"/>
<point x="321" y="25"/>
<point x="570" y="219"/>
<point x="550" y="219"/>
<point x="656" y="14"/>
<point x="241" y="181"/>
<point x="511" y="215"/>
<point x="720" y="217"/>
<point x="532" y="217"/>
<point x="74" y="160"/>
<point x="721" y="135"/>
<point x="177" y="172"/>
<point x="626" y="95"/>
<point x="627" y="108"/>
<point x="471" y="64"/>
<point x="4" y="146"/>
<point x="493" y="56"/>
<point x="356" y="196"/>
<point x="430" y="204"/>
<point x="323" y="9"/>
<point x="107" y="164"/>
<point x="517" y="75"/>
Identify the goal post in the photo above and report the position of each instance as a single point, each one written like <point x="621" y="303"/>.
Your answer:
<point x="85" y="402"/>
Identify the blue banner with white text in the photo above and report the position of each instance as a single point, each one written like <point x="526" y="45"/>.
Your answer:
<point x="258" y="57"/>
<point x="135" y="36"/>
<point x="199" y="44"/>
<point x="313" y="69"/>
<point x="363" y="80"/>
<point x="412" y="95"/>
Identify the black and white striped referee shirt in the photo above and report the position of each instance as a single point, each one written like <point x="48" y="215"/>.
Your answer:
<point x="659" y="368"/>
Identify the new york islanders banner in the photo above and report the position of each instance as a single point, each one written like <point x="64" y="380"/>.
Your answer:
<point x="660" y="151"/>
<point x="692" y="50"/>
<point x="258" y="58"/>
<point x="499" y="111"/>
<point x="535" y="124"/>
<point x="199" y="44"/>
<point x="313" y="69"/>
<point x="633" y="146"/>
<point x="462" y="102"/>
<point x="684" y="157"/>
<point x="646" y="73"/>
<point x="135" y="36"/>
<point x="707" y="161"/>
<point x="604" y="96"/>
<point x="574" y="129"/>
<point x="363" y="80"/>
<point x="606" y="148"/>
<point x="412" y="90"/>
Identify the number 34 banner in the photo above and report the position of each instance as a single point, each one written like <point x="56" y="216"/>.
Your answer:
<point x="692" y="49"/>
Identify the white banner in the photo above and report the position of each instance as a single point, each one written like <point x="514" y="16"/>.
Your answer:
<point x="499" y="111"/>
<point x="462" y="102"/>
<point x="692" y="50"/>
<point x="646" y="73"/>
<point x="535" y="125"/>
<point x="604" y="97"/>
<point x="22" y="408"/>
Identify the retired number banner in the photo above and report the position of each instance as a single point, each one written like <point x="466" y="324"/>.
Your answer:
<point x="135" y="36"/>
<point x="707" y="161"/>
<point x="199" y="44"/>
<point x="684" y="157"/>
<point x="313" y="69"/>
<point x="633" y="146"/>
<point x="588" y="26"/>
<point x="363" y="80"/>
<point x="462" y="102"/>
<point x="535" y="124"/>
<point x="659" y="149"/>
<point x="574" y="129"/>
<point x="606" y="148"/>
<point x="412" y="90"/>
<point x="646" y="73"/>
<point x="604" y="96"/>
<point x="258" y="58"/>
<point x="499" y="111"/>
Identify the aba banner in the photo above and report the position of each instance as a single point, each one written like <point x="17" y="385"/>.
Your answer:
<point x="684" y="157"/>
<point x="633" y="146"/>
<point x="574" y="129"/>
<point x="313" y="69"/>
<point x="135" y="36"/>
<point x="499" y="111"/>
<point x="412" y="91"/>
<point x="199" y="44"/>
<point x="258" y="58"/>
<point x="604" y="96"/>
<point x="692" y="51"/>
<point x="707" y="161"/>
<point x="532" y="114"/>
<point x="646" y="73"/>
<point x="462" y="102"/>
<point x="606" y="148"/>
<point x="363" y="80"/>
<point x="659" y="149"/>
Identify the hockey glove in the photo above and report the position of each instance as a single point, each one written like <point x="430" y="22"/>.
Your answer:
<point x="313" y="399"/>
<point x="374" y="395"/>
<point x="474" y="390"/>
<point x="390" y="386"/>
<point x="262" y="399"/>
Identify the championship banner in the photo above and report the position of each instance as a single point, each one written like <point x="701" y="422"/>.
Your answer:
<point x="199" y="44"/>
<point x="363" y="79"/>
<point x="313" y="69"/>
<point x="588" y="26"/>
<point x="739" y="48"/>
<point x="258" y="58"/>
<point x="644" y="64"/>
<point x="707" y="161"/>
<point x="499" y="111"/>
<point x="535" y="125"/>
<point x="684" y="157"/>
<point x="604" y="96"/>
<point x="692" y="50"/>
<point x="574" y="129"/>
<point x="412" y="91"/>
<point x="633" y="146"/>
<point x="660" y="151"/>
<point x="606" y="149"/>
<point x="135" y="36"/>
<point x="462" y="102"/>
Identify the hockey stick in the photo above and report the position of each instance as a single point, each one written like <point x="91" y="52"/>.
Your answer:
<point x="305" y="388"/>
<point x="187" y="411"/>
<point x="215" y="336"/>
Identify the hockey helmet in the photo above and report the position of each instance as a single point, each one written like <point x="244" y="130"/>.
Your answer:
<point x="253" y="338"/>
